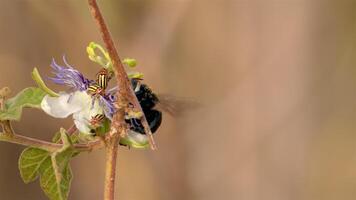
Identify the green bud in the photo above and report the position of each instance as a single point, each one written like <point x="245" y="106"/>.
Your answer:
<point x="103" y="59"/>
<point x="130" y="62"/>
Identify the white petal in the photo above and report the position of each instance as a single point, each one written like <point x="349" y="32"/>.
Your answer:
<point x="82" y="118"/>
<point x="60" y="107"/>
<point x="137" y="138"/>
<point x="82" y="125"/>
<point x="82" y="99"/>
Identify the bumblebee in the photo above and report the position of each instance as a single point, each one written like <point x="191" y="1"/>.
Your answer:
<point x="151" y="105"/>
<point x="148" y="100"/>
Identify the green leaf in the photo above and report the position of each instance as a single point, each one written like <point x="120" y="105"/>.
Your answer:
<point x="29" y="97"/>
<point x="52" y="167"/>
<point x="57" y="138"/>
<point x="30" y="162"/>
<point x="56" y="176"/>
<point x="41" y="84"/>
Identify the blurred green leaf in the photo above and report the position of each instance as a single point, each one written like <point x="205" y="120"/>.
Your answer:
<point x="29" y="97"/>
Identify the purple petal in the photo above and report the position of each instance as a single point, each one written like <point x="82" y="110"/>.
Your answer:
<point x="108" y="106"/>
<point x="67" y="75"/>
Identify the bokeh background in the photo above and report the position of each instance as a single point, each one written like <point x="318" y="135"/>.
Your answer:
<point x="276" y="81"/>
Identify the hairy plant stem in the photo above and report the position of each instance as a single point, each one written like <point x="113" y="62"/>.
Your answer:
<point x="125" y="96"/>
<point x="111" y="158"/>
<point x="48" y="146"/>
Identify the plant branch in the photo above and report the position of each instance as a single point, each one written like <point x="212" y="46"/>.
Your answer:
<point x="49" y="146"/>
<point x="6" y="124"/>
<point x="72" y="130"/>
<point x="125" y="94"/>
<point x="110" y="173"/>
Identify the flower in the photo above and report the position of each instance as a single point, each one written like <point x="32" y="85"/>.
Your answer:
<point x="78" y="103"/>
<point x="76" y="81"/>
<point x="83" y="102"/>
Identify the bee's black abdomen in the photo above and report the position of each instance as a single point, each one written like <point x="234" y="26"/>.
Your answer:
<point x="136" y="125"/>
<point x="154" y="119"/>
<point x="147" y="100"/>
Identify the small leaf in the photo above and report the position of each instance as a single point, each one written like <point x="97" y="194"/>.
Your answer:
<point x="55" y="172"/>
<point x="30" y="162"/>
<point x="29" y="97"/>
<point x="41" y="84"/>
<point x="57" y="138"/>
<point x="67" y="143"/>
<point x="135" y="75"/>
<point x="56" y="175"/>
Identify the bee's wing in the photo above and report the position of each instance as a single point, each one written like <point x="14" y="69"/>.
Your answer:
<point x="175" y="106"/>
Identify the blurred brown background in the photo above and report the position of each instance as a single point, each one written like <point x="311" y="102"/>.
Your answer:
<point x="277" y="80"/>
